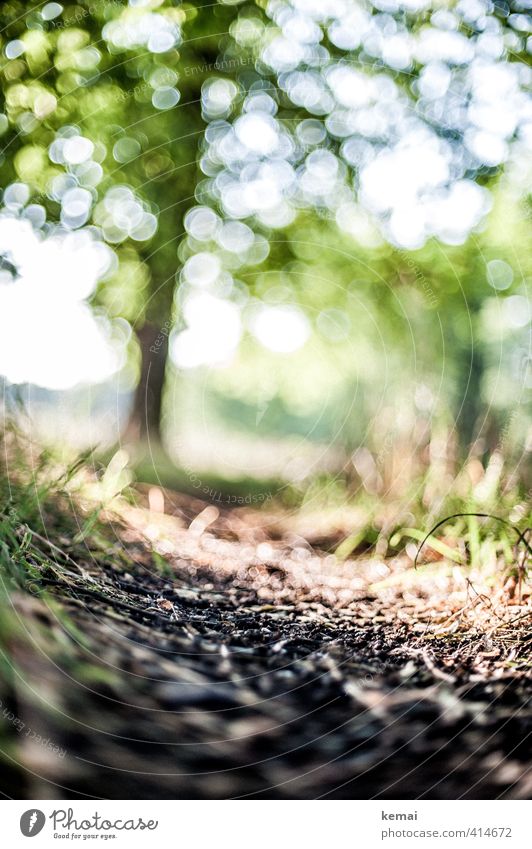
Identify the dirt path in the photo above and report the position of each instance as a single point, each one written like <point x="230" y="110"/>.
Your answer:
<point x="229" y="665"/>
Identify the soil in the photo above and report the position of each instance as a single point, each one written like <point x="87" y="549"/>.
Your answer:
<point x="207" y="655"/>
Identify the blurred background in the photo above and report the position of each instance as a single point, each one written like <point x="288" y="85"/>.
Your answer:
<point x="271" y="249"/>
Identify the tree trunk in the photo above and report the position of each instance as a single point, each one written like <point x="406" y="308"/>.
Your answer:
<point x="144" y="423"/>
<point x="469" y="424"/>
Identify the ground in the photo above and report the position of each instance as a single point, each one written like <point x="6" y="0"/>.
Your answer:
<point x="217" y="653"/>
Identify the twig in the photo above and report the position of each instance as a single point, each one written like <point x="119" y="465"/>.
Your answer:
<point x="521" y="535"/>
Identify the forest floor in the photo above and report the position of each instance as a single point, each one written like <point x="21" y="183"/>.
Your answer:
<point x="219" y="653"/>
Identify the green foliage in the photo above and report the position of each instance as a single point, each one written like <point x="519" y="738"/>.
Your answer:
<point x="389" y="323"/>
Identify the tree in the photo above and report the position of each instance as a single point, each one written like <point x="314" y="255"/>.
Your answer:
<point x="255" y="114"/>
<point x="70" y="67"/>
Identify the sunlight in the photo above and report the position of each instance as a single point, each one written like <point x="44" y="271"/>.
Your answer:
<point x="212" y="335"/>
<point x="49" y="335"/>
<point x="283" y="329"/>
